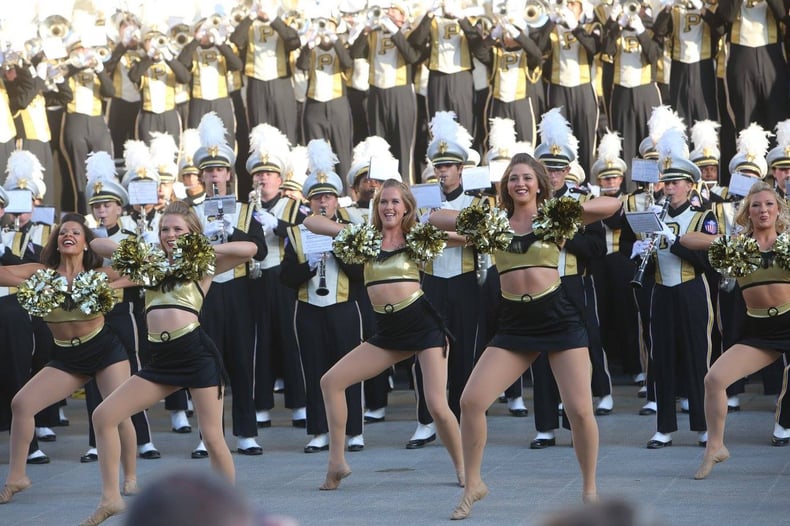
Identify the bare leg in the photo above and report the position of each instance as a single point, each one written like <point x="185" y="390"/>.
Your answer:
<point x="108" y="380"/>
<point x="132" y="396"/>
<point x="363" y="362"/>
<point x="45" y="388"/>
<point x="572" y="369"/>
<point x="738" y="361"/>
<point x="434" y="374"/>
<point x="209" y="412"/>
<point x="494" y="372"/>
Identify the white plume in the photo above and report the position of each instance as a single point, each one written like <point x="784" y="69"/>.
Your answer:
<point x="664" y="118"/>
<point x="705" y="137"/>
<point x="266" y="138"/>
<point x="444" y="126"/>
<point x="100" y="166"/>
<point x="190" y="142"/>
<point x="373" y="146"/>
<point x="163" y="149"/>
<point x="24" y="165"/>
<point x="753" y="141"/>
<point x="298" y="164"/>
<point x="555" y="129"/>
<point x="523" y="147"/>
<point x="610" y="146"/>
<point x="463" y="138"/>
<point x="320" y="156"/>
<point x="783" y="133"/>
<point x="672" y="145"/>
<point x="502" y="135"/>
<point x="212" y="130"/>
<point x="137" y="159"/>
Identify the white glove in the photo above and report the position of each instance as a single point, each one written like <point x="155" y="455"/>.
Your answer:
<point x="41" y="70"/>
<point x="266" y="219"/>
<point x="436" y="7"/>
<point x="667" y="233"/>
<point x="333" y="37"/>
<point x="616" y="11"/>
<point x="151" y="52"/>
<point x="150" y="237"/>
<point x="696" y="4"/>
<point x="424" y="218"/>
<point x="2" y="248"/>
<point x="167" y="54"/>
<point x="568" y="18"/>
<point x="656" y="209"/>
<point x="623" y="21"/>
<point x="126" y="35"/>
<point x="314" y="259"/>
<point x="389" y="25"/>
<point x="214" y="36"/>
<point x="215" y="229"/>
<point x="640" y="247"/>
<point x="636" y="24"/>
<point x="497" y="32"/>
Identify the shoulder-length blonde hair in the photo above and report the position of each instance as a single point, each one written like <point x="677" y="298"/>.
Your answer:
<point x="544" y="186"/>
<point x="409" y="217"/>
<point x="742" y="216"/>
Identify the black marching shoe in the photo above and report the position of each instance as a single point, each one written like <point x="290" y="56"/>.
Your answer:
<point x="38" y="459"/>
<point x="90" y="456"/>
<point x="779" y="442"/>
<point x="151" y="454"/>
<point x="419" y="443"/>
<point x="658" y="444"/>
<point x="200" y="451"/>
<point x="542" y="443"/>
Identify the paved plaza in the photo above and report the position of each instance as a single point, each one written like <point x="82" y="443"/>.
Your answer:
<point x="394" y="486"/>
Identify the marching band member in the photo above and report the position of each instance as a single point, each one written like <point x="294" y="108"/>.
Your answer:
<point x="266" y="41"/>
<point x="778" y="159"/>
<point x="125" y="102"/>
<point x="227" y="310"/>
<point x="7" y="128"/>
<point x="327" y="319"/>
<point x="208" y="58"/>
<point x="326" y="113"/>
<point x="392" y="106"/>
<point x="406" y="325"/>
<point x="187" y="170"/>
<point x="157" y="74"/>
<point x="276" y="349"/>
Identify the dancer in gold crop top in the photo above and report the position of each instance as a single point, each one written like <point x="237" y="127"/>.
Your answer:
<point x="392" y="282"/>
<point x="764" y="216"/>
<point x="84" y="348"/>
<point x="531" y="289"/>
<point x="179" y="353"/>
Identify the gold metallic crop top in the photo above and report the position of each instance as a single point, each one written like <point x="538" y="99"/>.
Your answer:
<point x="184" y="295"/>
<point x="391" y="266"/>
<point x="61" y="315"/>
<point x="767" y="272"/>
<point x="527" y="251"/>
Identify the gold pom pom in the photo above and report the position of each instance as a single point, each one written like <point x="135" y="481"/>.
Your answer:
<point x="485" y="228"/>
<point x="734" y="256"/>
<point x="91" y="293"/>
<point x="558" y="219"/>
<point x="425" y="242"/>
<point x="357" y="244"/>
<point x="193" y="258"/>
<point x="42" y="292"/>
<point x="140" y="262"/>
<point x="782" y="251"/>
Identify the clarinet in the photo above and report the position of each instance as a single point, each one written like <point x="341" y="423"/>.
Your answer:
<point x="322" y="289"/>
<point x="640" y="272"/>
<point x="255" y="268"/>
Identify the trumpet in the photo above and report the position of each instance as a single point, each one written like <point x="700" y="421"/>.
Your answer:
<point x="296" y="20"/>
<point x="238" y="14"/>
<point x="322" y="289"/>
<point x="179" y="37"/>
<point x="631" y="7"/>
<point x="219" y="24"/>
<point x="534" y="12"/>
<point x="374" y="15"/>
<point x="54" y="26"/>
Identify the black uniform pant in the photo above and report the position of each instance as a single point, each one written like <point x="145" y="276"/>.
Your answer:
<point x="121" y="117"/>
<point x="43" y="152"/>
<point x="273" y="102"/>
<point x="580" y="106"/>
<point x="727" y="132"/>
<point x="242" y="135"/>
<point x="392" y="114"/>
<point x="127" y="325"/>
<point x="452" y="92"/>
<point x="79" y="135"/>
<point x="325" y="335"/>
<point x="227" y="319"/>
<point x="629" y="111"/>
<point x="520" y="111"/>
<point x="166" y="122"/>
<point x="222" y="107"/>
<point x="330" y="120"/>
<point x="358" y="102"/>
<point x="451" y="298"/>
<point x="681" y="320"/>
<point x="692" y="90"/>
<point x="757" y="85"/>
<point x="275" y="341"/>
<point x="642" y="299"/>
